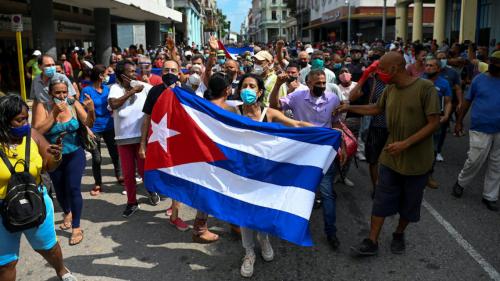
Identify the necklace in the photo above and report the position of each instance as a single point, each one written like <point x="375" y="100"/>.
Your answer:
<point x="13" y="149"/>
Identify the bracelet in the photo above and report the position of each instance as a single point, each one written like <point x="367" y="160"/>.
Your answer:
<point x="57" y="159"/>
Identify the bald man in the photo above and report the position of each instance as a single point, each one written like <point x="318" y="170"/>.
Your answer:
<point x="412" y="112"/>
<point x="303" y="59"/>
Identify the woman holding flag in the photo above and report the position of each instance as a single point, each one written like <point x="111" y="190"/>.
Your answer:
<point x="251" y="90"/>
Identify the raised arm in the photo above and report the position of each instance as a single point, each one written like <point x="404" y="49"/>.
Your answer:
<point x="274" y="99"/>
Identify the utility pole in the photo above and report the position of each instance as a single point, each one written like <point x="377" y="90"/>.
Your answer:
<point x="348" y="22"/>
<point x="384" y="20"/>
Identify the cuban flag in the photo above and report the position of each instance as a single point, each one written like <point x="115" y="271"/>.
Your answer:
<point x="233" y="52"/>
<point x="257" y="175"/>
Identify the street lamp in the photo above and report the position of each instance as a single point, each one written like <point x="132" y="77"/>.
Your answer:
<point x="348" y="22"/>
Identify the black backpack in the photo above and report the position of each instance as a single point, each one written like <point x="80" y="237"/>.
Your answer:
<point x="23" y="206"/>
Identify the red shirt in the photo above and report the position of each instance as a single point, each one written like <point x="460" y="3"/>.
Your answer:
<point x="153" y="79"/>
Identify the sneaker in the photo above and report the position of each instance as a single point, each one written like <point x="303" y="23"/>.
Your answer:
<point x="317" y="203"/>
<point x="266" y="249"/>
<point x="333" y="241"/>
<point x="179" y="224"/>
<point x="138" y="179"/>
<point x="348" y="182"/>
<point x="124" y="192"/>
<point x="458" y="190"/>
<point x="154" y="198"/>
<point x="439" y="157"/>
<point x="365" y="248"/>
<point x="68" y="277"/>
<point x="130" y="210"/>
<point x="88" y="155"/>
<point x="398" y="243"/>
<point x="491" y="205"/>
<point x="432" y="183"/>
<point x="247" y="265"/>
<point x="360" y="156"/>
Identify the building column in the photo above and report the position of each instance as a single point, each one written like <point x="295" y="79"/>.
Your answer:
<point x="439" y="20"/>
<point x="42" y="23"/>
<point x="468" y="16"/>
<point x="418" y="8"/>
<point x="102" y="23"/>
<point x="152" y="34"/>
<point x="402" y="20"/>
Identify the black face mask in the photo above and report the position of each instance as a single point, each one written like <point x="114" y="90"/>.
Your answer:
<point x="291" y="79"/>
<point x="494" y="70"/>
<point x="169" y="79"/>
<point x="432" y="75"/>
<point x="375" y="57"/>
<point x="318" y="91"/>
<point x="303" y="64"/>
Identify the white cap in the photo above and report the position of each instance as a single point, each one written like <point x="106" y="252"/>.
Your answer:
<point x="88" y="64"/>
<point x="188" y="53"/>
<point x="37" y="53"/>
<point x="309" y="50"/>
<point x="77" y="49"/>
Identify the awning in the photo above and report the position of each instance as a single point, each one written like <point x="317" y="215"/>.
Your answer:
<point x="151" y="10"/>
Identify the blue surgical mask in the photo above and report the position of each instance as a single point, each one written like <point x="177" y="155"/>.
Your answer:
<point x="337" y="66"/>
<point x="248" y="96"/>
<point x="221" y="61"/>
<point x="20" y="132"/>
<point x="443" y="62"/>
<point x="317" y="64"/>
<point x="49" y="71"/>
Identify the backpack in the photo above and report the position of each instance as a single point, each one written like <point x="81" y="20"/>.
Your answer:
<point x="23" y="206"/>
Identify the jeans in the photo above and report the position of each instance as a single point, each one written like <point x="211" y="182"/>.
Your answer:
<point x="67" y="179"/>
<point x="329" y="201"/>
<point x="247" y="238"/>
<point x="109" y="139"/>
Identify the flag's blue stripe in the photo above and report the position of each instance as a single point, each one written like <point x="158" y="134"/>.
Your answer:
<point x="282" y="224"/>
<point x="239" y="51"/>
<point x="314" y="135"/>
<point x="264" y="170"/>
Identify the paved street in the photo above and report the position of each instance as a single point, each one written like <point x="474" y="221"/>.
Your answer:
<point x="457" y="239"/>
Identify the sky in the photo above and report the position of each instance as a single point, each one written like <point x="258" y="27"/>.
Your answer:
<point x="235" y="11"/>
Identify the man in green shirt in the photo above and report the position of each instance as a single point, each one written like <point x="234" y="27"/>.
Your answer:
<point x="32" y="69"/>
<point x="412" y="113"/>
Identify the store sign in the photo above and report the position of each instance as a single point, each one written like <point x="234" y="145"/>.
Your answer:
<point x="16" y="23"/>
<point x="70" y="27"/>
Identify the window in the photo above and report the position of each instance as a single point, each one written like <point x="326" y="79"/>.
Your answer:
<point x="273" y="15"/>
<point x="274" y="2"/>
<point x="283" y="13"/>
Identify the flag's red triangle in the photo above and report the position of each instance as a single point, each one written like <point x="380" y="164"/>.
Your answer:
<point x="190" y="145"/>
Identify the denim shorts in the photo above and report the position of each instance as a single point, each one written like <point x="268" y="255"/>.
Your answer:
<point x="42" y="237"/>
<point x="397" y="193"/>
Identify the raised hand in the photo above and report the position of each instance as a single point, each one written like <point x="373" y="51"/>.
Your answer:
<point x="88" y="103"/>
<point x="170" y="43"/>
<point x="212" y="42"/>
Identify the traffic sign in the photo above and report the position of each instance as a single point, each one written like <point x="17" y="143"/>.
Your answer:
<point x="16" y="23"/>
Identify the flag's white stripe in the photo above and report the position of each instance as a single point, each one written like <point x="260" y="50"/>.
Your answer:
<point x="290" y="199"/>
<point x="279" y="149"/>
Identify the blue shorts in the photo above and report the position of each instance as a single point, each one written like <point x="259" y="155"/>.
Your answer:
<point x="42" y="237"/>
<point x="397" y="193"/>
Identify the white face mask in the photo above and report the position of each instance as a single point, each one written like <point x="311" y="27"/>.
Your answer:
<point x="194" y="79"/>
<point x="258" y="69"/>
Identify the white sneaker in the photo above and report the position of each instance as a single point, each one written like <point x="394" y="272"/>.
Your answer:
<point x="439" y="157"/>
<point x="266" y="249"/>
<point x="348" y="182"/>
<point x="88" y="155"/>
<point x="247" y="266"/>
<point x="124" y="192"/>
<point x="138" y="179"/>
<point x="360" y="156"/>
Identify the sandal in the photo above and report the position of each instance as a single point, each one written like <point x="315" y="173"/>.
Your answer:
<point x="96" y="190"/>
<point x="76" y="238"/>
<point x="121" y="180"/>
<point x="205" y="238"/>
<point x="65" y="226"/>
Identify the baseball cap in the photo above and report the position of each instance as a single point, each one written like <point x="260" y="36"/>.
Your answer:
<point x="309" y="50"/>
<point x="188" y="53"/>
<point x="264" y="55"/>
<point x="495" y="55"/>
<point x="37" y="53"/>
<point x="220" y="53"/>
<point x="77" y="49"/>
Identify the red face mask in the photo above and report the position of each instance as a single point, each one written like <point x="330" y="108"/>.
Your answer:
<point x="384" y="77"/>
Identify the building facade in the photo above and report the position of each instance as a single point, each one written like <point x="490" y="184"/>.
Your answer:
<point x="191" y="29"/>
<point x="267" y="20"/>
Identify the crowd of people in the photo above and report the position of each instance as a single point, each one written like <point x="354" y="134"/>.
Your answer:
<point x="394" y="102"/>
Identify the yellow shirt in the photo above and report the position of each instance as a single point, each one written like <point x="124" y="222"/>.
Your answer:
<point x="36" y="164"/>
<point x="268" y="86"/>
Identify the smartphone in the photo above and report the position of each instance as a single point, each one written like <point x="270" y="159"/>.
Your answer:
<point x="60" y="138"/>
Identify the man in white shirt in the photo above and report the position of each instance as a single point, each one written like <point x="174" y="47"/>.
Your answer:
<point x="126" y="99"/>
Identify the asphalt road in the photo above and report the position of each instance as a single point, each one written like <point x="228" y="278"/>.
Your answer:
<point x="456" y="239"/>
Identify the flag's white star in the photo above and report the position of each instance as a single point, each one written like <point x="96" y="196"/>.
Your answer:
<point x="161" y="132"/>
